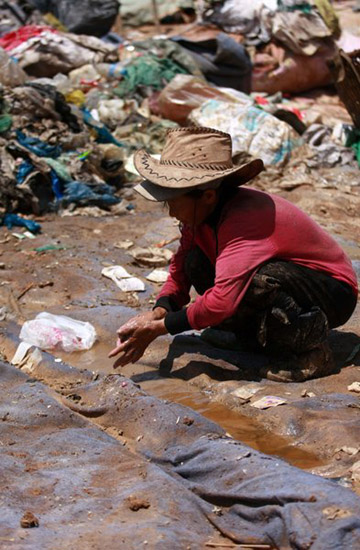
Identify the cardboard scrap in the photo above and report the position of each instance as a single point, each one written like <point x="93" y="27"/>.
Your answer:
<point x="268" y="401"/>
<point x="123" y="279"/>
<point x="124" y="244"/>
<point x="355" y="386"/>
<point x="158" y="276"/>
<point x="245" y="392"/>
<point x="152" y="256"/>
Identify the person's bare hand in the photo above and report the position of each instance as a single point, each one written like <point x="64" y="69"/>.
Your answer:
<point x="136" y="334"/>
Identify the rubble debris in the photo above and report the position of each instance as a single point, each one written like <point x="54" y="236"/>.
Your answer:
<point x="136" y="503"/>
<point x="29" y="520"/>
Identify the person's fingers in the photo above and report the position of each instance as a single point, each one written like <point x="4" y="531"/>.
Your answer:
<point x="120" y="346"/>
<point x="124" y="360"/>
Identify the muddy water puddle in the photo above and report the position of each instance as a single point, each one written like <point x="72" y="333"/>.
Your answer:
<point x="146" y="374"/>
<point x="240" y="427"/>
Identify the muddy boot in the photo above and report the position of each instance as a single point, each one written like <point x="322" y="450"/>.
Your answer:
<point x="314" y="363"/>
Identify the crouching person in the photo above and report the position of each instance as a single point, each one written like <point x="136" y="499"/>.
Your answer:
<point x="265" y="272"/>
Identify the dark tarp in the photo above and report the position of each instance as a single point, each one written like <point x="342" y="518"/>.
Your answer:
<point x="222" y="60"/>
<point x="247" y="496"/>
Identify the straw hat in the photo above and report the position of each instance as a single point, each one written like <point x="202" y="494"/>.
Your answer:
<point x="192" y="158"/>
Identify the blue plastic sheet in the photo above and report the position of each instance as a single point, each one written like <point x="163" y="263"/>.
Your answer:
<point x="89" y="195"/>
<point x="11" y="220"/>
<point x="37" y="146"/>
<point x="23" y="171"/>
<point x="56" y="185"/>
<point x="103" y="134"/>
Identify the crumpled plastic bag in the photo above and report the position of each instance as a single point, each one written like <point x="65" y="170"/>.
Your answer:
<point x="252" y="130"/>
<point x="48" y="331"/>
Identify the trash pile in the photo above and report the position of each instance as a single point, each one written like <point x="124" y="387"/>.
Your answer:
<point x="77" y="99"/>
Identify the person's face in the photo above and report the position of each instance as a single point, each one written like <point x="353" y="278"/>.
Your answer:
<point x="191" y="210"/>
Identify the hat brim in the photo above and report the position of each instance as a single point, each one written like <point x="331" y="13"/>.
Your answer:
<point x="180" y="177"/>
<point x="153" y="192"/>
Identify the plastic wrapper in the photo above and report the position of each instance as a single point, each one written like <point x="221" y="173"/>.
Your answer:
<point x="49" y="332"/>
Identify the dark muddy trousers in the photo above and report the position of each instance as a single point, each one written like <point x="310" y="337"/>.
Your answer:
<point x="287" y="307"/>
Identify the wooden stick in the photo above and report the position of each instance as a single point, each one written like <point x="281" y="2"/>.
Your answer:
<point x="242" y="546"/>
<point x="28" y="287"/>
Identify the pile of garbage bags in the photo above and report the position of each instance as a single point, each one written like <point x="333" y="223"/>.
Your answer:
<point x="77" y="99"/>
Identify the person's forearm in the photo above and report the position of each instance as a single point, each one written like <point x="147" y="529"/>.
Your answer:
<point x="159" y="328"/>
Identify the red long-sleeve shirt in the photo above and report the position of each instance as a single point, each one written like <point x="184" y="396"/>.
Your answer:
<point x="253" y="228"/>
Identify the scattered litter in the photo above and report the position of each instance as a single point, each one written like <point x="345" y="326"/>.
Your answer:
<point x="348" y="450"/>
<point x="124" y="244"/>
<point x="3" y="313"/>
<point x="177" y="420"/>
<point x="48" y="331"/>
<point x="20" y="353"/>
<point x="355" y="386"/>
<point x="244" y="392"/>
<point x="268" y="401"/>
<point x="122" y="279"/>
<point x="124" y="384"/>
<point x="139" y="438"/>
<point x="355" y="471"/>
<point x="152" y="256"/>
<point x="58" y="360"/>
<point x="11" y="220"/>
<point x="19" y="236"/>
<point x="29" y="235"/>
<point x="29" y="520"/>
<point x="49" y="247"/>
<point x="158" y="276"/>
<point x="306" y="393"/>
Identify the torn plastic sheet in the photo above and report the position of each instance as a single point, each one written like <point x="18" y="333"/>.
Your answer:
<point x="100" y="194"/>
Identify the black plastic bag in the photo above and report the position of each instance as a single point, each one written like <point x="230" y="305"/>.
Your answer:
<point x="93" y="17"/>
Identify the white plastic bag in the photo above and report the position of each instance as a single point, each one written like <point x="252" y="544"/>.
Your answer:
<point x="48" y="331"/>
<point x="251" y="129"/>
